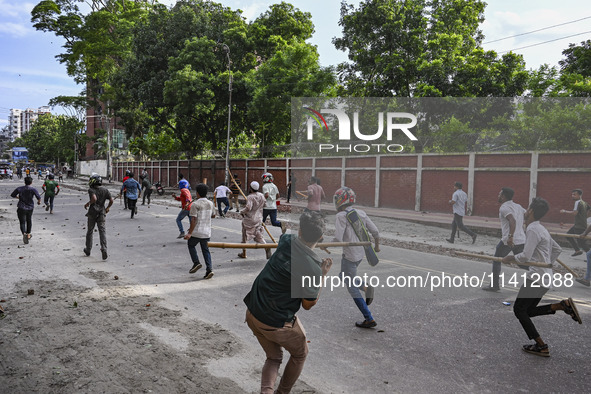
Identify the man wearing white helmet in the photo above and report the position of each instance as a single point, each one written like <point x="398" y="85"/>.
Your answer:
<point x="252" y="218"/>
<point x="271" y="193"/>
<point x="344" y="198"/>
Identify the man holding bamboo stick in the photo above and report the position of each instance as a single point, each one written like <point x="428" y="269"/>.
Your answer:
<point x="539" y="247"/>
<point x="512" y="234"/>
<point x="276" y="296"/>
<point x="252" y="218"/>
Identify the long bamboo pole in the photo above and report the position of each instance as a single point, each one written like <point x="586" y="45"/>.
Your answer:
<point x="230" y="245"/>
<point x="567" y="268"/>
<point x="500" y="259"/>
<point x="569" y="235"/>
<point x="243" y="195"/>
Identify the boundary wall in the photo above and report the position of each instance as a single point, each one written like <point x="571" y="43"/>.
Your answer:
<point x="420" y="182"/>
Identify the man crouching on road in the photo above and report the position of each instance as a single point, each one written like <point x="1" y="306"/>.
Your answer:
<point x="276" y="296"/>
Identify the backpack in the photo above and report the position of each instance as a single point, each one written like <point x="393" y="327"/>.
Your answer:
<point x="363" y="235"/>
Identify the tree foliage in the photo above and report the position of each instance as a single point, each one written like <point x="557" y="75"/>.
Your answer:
<point x="52" y="138"/>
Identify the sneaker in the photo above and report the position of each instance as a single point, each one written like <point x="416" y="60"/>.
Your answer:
<point x="104" y="253"/>
<point x="208" y="275"/>
<point x="369" y="295"/>
<point x="181" y="235"/>
<point x="25" y="238"/>
<point x="231" y="209"/>
<point x="491" y="288"/>
<point x="268" y="253"/>
<point x="474" y="238"/>
<point x="366" y="324"/>
<point x="195" y="267"/>
<point x="283" y="227"/>
<point x="583" y="281"/>
<point x="86" y="252"/>
<point x="451" y="241"/>
<point x="577" y="253"/>
<point x="46" y="208"/>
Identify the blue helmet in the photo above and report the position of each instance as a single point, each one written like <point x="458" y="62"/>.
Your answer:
<point x="184" y="184"/>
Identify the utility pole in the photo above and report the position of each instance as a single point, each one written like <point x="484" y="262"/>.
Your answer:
<point x="227" y="179"/>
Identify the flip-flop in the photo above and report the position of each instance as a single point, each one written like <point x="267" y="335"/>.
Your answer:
<point x="575" y="313"/>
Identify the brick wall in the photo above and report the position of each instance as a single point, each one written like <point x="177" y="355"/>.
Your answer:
<point x="557" y="174"/>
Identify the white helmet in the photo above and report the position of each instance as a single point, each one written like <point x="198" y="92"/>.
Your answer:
<point x="267" y="177"/>
<point x="343" y="197"/>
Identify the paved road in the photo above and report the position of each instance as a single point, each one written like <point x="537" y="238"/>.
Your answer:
<point x="445" y="340"/>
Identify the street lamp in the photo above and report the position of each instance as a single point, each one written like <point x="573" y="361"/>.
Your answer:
<point x="227" y="49"/>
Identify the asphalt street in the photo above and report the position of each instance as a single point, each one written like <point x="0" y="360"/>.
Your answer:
<point x="453" y="338"/>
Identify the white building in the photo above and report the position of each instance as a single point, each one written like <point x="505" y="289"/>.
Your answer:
<point x="20" y="122"/>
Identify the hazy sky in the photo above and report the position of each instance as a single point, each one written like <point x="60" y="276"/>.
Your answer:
<point x="30" y="75"/>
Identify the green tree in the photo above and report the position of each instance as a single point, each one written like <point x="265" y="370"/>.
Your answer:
<point x="51" y="138"/>
<point x="423" y="48"/>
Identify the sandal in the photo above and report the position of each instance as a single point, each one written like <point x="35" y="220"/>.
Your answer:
<point x="242" y="255"/>
<point x="571" y="309"/>
<point x="537" y="350"/>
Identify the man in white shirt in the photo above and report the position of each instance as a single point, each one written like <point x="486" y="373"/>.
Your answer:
<point x="541" y="248"/>
<point x="271" y="193"/>
<point x="352" y="256"/>
<point x="458" y="200"/>
<point x="220" y="195"/>
<point x="199" y="232"/>
<point x="511" y="215"/>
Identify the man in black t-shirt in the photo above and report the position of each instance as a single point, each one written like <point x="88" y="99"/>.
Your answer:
<point x="98" y="195"/>
<point x="290" y="279"/>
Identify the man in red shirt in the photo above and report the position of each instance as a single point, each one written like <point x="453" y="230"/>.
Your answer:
<point x="185" y="199"/>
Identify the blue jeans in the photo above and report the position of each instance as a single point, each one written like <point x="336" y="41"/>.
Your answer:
<point x="588" y="273"/>
<point x="182" y="214"/>
<point x="192" y="243"/>
<point x="349" y="270"/>
<point x="48" y="200"/>
<point x="272" y="213"/>
<point x="225" y="201"/>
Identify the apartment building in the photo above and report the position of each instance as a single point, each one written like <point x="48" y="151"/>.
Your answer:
<point x="20" y="121"/>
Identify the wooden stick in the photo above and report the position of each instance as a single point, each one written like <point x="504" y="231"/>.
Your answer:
<point x="567" y="268"/>
<point x="230" y="245"/>
<point x="569" y="235"/>
<point x="243" y="195"/>
<point x="500" y="259"/>
<point x="302" y="194"/>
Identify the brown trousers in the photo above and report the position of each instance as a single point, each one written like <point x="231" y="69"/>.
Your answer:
<point x="292" y="337"/>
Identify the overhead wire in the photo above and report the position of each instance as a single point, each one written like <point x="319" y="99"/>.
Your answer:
<point x="537" y="30"/>
<point x="544" y="42"/>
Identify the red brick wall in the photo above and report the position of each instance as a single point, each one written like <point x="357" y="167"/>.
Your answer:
<point x="363" y="183"/>
<point x="398" y="186"/>
<point x="398" y="189"/>
<point x="446" y="161"/>
<point x="502" y="160"/>
<point x="487" y="186"/>
<point x="556" y="188"/>
<point x="564" y="160"/>
<point x="398" y="161"/>
<point x="437" y="189"/>
<point x="330" y="180"/>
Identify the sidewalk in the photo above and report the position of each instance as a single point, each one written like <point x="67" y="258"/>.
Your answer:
<point x="479" y="224"/>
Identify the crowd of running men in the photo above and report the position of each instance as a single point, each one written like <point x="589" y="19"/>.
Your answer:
<point x="271" y="307"/>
